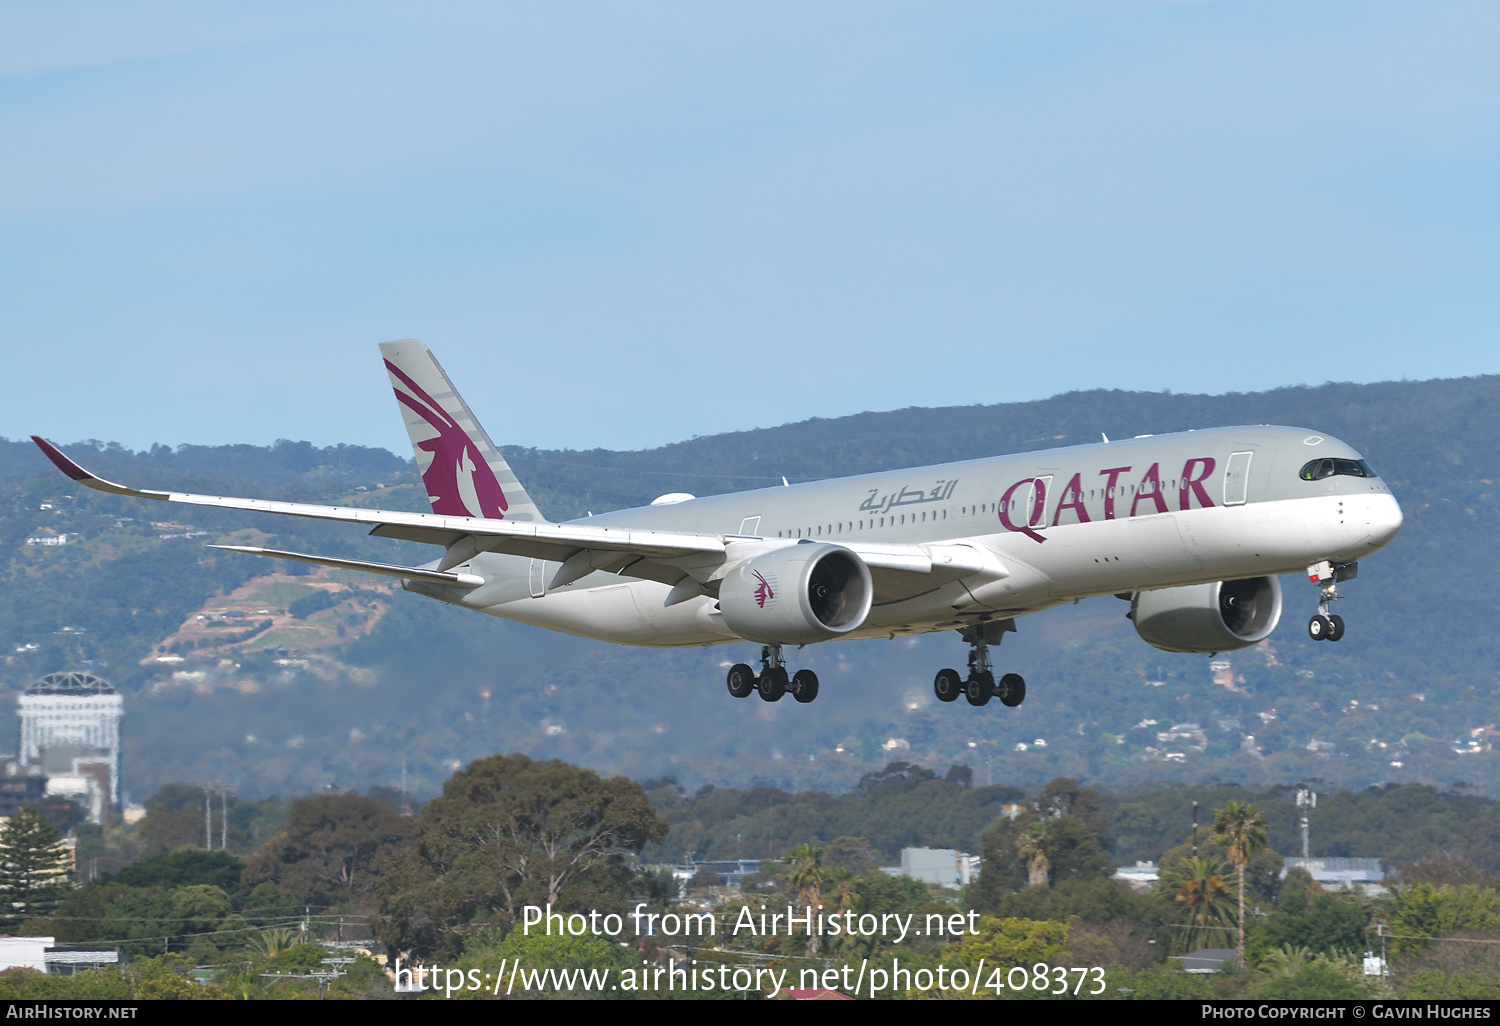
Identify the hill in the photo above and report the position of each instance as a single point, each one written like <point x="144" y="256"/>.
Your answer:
<point x="1408" y="697"/>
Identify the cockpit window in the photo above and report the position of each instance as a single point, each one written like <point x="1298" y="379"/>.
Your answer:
<point x="1317" y="470"/>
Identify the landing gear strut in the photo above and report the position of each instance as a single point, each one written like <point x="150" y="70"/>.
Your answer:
<point x="1326" y="626"/>
<point x="980" y="686"/>
<point x="772" y="682"/>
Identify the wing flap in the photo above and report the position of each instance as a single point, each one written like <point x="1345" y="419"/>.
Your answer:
<point x="410" y="573"/>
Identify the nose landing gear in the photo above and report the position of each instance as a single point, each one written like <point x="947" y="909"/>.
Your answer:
<point x="772" y="682"/>
<point x="980" y="686"/>
<point x="1326" y="626"/>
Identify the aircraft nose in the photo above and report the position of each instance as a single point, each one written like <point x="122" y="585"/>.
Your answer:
<point x="1385" y="519"/>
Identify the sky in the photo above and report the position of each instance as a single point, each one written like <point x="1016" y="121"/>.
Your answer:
<point x="622" y="225"/>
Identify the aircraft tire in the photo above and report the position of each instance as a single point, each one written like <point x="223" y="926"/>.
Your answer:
<point x="1336" y="631"/>
<point x="805" y="686"/>
<point x="1319" y="627"/>
<point x="1012" y="690"/>
<point x="979" y="688"/>
<point x="772" y="684"/>
<point x="947" y="685"/>
<point x="741" y="680"/>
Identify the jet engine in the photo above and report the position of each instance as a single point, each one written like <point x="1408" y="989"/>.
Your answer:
<point x="1218" y="617"/>
<point x="797" y="594"/>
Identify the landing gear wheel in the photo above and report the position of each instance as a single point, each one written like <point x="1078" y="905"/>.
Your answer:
<point x="1012" y="690"/>
<point x="805" y="686"/>
<point x="948" y="685"/>
<point x="1319" y="627"/>
<point x="1336" y="630"/>
<point x="741" y="680"/>
<point x="979" y="688"/>
<point x="772" y="684"/>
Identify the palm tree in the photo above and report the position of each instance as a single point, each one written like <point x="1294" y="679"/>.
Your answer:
<point x="806" y="876"/>
<point x="272" y="942"/>
<point x="1032" y="847"/>
<point x="1197" y="884"/>
<point x="1241" y="829"/>
<point x="1284" y="961"/>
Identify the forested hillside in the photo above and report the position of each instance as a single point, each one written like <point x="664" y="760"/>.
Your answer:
<point x="1409" y="696"/>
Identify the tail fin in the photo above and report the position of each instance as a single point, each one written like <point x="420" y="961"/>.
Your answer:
<point x="465" y="474"/>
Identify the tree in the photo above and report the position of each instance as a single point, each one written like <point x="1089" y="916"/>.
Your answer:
<point x="508" y="831"/>
<point x="1010" y="942"/>
<point x="182" y="867"/>
<point x="1330" y="923"/>
<point x="33" y="863"/>
<point x="1032" y="849"/>
<point x="1242" y="831"/>
<point x="1028" y="850"/>
<point x="333" y="848"/>
<point x="1063" y="797"/>
<point x="1197" y="887"/>
<point x="806" y="877"/>
<point x="852" y="853"/>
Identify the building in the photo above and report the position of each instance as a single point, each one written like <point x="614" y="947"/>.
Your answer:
<point x="1138" y="877"/>
<point x="45" y="955"/>
<point x="1206" y="960"/>
<point x="1360" y="874"/>
<point x="21" y="786"/>
<point x="945" y="867"/>
<point x="70" y="728"/>
<point x="731" y="871"/>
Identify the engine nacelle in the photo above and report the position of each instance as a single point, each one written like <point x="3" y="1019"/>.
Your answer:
<point x="797" y="594"/>
<point x="1218" y="617"/>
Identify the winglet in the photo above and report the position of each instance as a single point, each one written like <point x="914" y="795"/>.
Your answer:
<point x="83" y="477"/>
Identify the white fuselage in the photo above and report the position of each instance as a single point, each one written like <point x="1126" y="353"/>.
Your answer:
<point x="1043" y="528"/>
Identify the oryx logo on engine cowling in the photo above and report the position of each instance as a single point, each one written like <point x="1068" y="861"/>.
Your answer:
<point x="763" y="590"/>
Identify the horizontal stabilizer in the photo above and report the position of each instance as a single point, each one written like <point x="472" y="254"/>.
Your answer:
<point x="410" y="573"/>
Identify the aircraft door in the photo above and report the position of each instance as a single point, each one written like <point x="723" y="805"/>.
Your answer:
<point x="1237" y="478"/>
<point x="538" y="578"/>
<point x="1040" y="503"/>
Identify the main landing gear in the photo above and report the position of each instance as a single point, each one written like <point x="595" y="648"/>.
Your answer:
<point x="980" y="685"/>
<point x="772" y="682"/>
<point x="1326" y="626"/>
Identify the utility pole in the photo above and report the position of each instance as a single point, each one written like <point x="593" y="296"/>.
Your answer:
<point x="223" y="819"/>
<point x="208" y="820"/>
<point x="1195" y="830"/>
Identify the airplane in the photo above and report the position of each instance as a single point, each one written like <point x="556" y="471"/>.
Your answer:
<point x="1191" y="528"/>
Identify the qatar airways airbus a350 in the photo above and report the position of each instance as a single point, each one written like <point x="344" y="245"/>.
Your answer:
<point x="1191" y="528"/>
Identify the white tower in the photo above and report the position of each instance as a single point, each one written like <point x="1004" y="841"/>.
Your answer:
<point x="73" y="711"/>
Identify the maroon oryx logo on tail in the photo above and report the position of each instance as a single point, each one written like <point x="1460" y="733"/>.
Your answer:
<point x="762" y="590"/>
<point x="459" y="482"/>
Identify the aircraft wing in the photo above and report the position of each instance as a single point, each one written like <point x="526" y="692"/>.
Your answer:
<point x="665" y="556"/>
<point x="541" y="541"/>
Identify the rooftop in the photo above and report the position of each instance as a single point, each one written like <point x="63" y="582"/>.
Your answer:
<point x="71" y="682"/>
